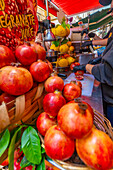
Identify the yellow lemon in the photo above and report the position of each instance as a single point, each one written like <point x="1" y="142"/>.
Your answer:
<point x="63" y="48"/>
<point x="69" y="43"/>
<point x="52" y="46"/>
<point x="63" y="62"/>
<point x="67" y="31"/>
<point x="56" y="48"/>
<point x="70" y="60"/>
<point x="53" y="30"/>
<point x="60" y="31"/>
<point x="71" y="48"/>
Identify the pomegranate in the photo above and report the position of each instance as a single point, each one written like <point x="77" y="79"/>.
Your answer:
<point x="6" y="98"/>
<point x="40" y="71"/>
<point x="6" y="56"/>
<point x="39" y="50"/>
<point x="44" y="122"/>
<point x="15" y="81"/>
<point x="73" y="65"/>
<point x="81" y="101"/>
<point x="71" y="91"/>
<point x="96" y="150"/>
<point x="50" y="65"/>
<point x="52" y="103"/>
<point x="26" y="54"/>
<point x="57" y="144"/>
<point x="54" y="83"/>
<point x="75" y="119"/>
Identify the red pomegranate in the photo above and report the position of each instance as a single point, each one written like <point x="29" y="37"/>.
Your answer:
<point x="6" y="98"/>
<point x="6" y="56"/>
<point x="54" y="83"/>
<point x="44" y="122"/>
<point x="39" y="50"/>
<point x="57" y="144"/>
<point x="73" y="65"/>
<point x="50" y="65"/>
<point x="26" y="54"/>
<point x="75" y="119"/>
<point x="81" y="101"/>
<point x="15" y="81"/>
<point x="52" y="103"/>
<point x="71" y="91"/>
<point x="96" y="150"/>
<point x="40" y="71"/>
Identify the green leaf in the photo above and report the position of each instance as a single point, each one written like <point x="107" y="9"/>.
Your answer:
<point x="24" y="163"/>
<point x="42" y="150"/>
<point x="11" y="150"/>
<point x="63" y="24"/>
<point x="31" y="147"/>
<point x="64" y="41"/>
<point x="56" y="43"/>
<point x="68" y="26"/>
<point x="41" y="166"/>
<point x="4" y="141"/>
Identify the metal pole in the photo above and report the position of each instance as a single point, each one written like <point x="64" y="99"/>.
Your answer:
<point x="47" y="8"/>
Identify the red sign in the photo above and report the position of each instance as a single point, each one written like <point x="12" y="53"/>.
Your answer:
<point x="18" y="21"/>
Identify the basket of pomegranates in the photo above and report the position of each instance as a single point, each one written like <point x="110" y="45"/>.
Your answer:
<point x="74" y="135"/>
<point x="22" y="77"/>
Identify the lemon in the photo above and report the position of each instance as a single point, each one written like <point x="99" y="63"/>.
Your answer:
<point x="60" y="31"/>
<point x="52" y="46"/>
<point x="71" y="48"/>
<point x="63" y="48"/>
<point x="56" y="48"/>
<point x="69" y="43"/>
<point x="70" y="60"/>
<point x="67" y="31"/>
<point x="53" y="30"/>
<point x="63" y="62"/>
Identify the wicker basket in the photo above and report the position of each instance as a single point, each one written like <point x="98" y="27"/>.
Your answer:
<point x="101" y="123"/>
<point x="24" y="108"/>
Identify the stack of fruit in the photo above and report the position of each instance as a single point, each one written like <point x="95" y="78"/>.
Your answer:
<point x="65" y="47"/>
<point x="19" y="72"/>
<point x="67" y="125"/>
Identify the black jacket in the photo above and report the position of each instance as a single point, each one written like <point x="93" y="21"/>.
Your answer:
<point x="103" y="72"/>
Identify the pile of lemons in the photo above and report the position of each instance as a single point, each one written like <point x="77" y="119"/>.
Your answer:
<point x="65" y="61"/>
<point x="65" y="48"/>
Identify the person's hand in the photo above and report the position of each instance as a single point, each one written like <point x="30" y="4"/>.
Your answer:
<point x="87" y="43"/>
<point x="80" y="67"/>
<point x="91" y="35"/>
<point x="95" y="61"/>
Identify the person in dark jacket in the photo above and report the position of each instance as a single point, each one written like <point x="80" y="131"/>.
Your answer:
<point x="96" y="39"/>
<point x="103" y="72"/>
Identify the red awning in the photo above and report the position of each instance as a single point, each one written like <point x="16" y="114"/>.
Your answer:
<point x="71" y="7"/>
<point x="42" y="5"/>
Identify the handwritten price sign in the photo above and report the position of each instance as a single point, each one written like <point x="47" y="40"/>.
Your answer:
<point x="18" y="21"/>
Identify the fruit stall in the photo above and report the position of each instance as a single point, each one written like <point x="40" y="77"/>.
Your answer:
<point x="50" y="117"/>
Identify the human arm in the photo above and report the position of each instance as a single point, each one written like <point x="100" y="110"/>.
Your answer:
<point x="102" y="42"/>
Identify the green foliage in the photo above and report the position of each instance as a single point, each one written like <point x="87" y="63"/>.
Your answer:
<point x="11" y="149"/>
<point x="4" y="141"/>
<point x="30" y="143"/>
<point x="56" y="43"/>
